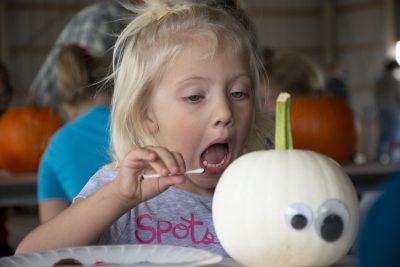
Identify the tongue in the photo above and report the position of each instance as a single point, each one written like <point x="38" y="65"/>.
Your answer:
<point x="215" y="154"/>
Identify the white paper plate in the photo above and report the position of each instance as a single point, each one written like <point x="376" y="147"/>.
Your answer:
<point x="118" y="255"/>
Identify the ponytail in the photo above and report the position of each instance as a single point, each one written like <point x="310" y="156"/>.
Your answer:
<point x="80" y="75"/>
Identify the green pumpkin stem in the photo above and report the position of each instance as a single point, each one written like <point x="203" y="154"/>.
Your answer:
<point x="283" y="134"/>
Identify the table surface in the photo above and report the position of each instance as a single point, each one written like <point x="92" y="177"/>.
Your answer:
<point x="17" y="189"/>
<point x="7" y="178"/>
<point x="372" y="168"/>
<point x="369" y="177"/>
<point x="348" y="261"/>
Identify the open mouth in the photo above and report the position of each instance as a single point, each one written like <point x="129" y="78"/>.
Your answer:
<point x="215" y="159"/>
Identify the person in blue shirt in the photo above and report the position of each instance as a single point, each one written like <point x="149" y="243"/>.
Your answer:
<point x="81" y="146"/>
<point x="335" y="82"/>
<point x="378" y="242"/>
<point x="387" y="99"/>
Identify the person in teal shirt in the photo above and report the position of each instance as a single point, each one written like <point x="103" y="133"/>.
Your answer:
<point x="83" y="144"/>
<point x="378" y="242"/>
<point x="77" y="150"/>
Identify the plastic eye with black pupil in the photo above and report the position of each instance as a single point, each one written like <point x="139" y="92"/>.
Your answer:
<point x="332" y="220"/>
<point x="332" y="228"/>
<point x="298" y="216"/>
<point x="299" y="222"/>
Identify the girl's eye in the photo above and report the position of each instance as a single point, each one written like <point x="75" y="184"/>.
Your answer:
<point x="194" y="98"/>
<point x="238" y="95"/>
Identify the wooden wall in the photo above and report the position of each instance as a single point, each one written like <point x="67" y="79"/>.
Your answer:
<point x="363" y="46"/>
<point x="288" y="24"/>
<point x="357" y="32"/>
<point x="31" y="28"/>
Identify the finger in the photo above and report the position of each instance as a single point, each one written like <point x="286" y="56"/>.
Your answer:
<point x="166" y="159"/>
<point x="139" y="157"/>
<point x="146" y="160"/>
<point x="180" y="161"/>
<point x="133" y="165"/>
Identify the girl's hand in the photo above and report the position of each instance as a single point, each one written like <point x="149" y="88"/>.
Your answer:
<point x="149" y="160"/>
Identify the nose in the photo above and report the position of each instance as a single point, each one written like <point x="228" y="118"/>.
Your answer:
<point x="222" y="113"/>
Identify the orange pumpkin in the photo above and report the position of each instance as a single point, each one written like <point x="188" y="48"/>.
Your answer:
<point x="324" y="124"/>
<point x="2" y="164"/>
<point x="24" y="133"/>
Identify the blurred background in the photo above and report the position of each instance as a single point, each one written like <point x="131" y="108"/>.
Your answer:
<point x="360" y="34"/>
<point x="355" y="36"/>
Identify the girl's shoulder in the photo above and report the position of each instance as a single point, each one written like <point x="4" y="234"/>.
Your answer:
<point x="105" y="174"/>
<point x="97" y="181"/>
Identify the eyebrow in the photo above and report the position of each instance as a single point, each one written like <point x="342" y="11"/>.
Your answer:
<point x="195" y="78"/>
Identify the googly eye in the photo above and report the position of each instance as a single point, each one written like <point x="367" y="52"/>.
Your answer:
<point x="298" y="216"/>
<point x="331" y="220"/>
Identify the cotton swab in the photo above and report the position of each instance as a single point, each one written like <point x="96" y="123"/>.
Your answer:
<point x="156" y="175"/>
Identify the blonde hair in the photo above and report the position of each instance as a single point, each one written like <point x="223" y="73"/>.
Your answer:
<point x="159" y="32"/>
<point x="81" y="76"/>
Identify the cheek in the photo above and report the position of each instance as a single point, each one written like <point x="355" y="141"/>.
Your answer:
<point x="245" y="115"/>
<point x="178" y="130"/>
<point x="183" y="138"/>
<point x="245" y="120"/>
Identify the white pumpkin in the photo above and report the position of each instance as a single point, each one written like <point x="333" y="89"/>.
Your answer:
<point x="285" y="208"/>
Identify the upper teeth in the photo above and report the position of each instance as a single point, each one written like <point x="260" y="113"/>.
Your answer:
<point x="212" y="165"/>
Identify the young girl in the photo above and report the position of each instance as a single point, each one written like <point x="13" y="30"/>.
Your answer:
<point x="186" y="78"/>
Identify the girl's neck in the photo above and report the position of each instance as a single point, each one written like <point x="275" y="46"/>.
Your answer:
<point x="101" y="100"/>
<point x="74" y="111"/>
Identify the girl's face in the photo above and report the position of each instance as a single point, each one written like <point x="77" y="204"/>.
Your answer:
<point x="203" y="108"/>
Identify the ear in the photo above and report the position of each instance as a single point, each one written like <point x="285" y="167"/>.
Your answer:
<point x="150" y="121"/>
